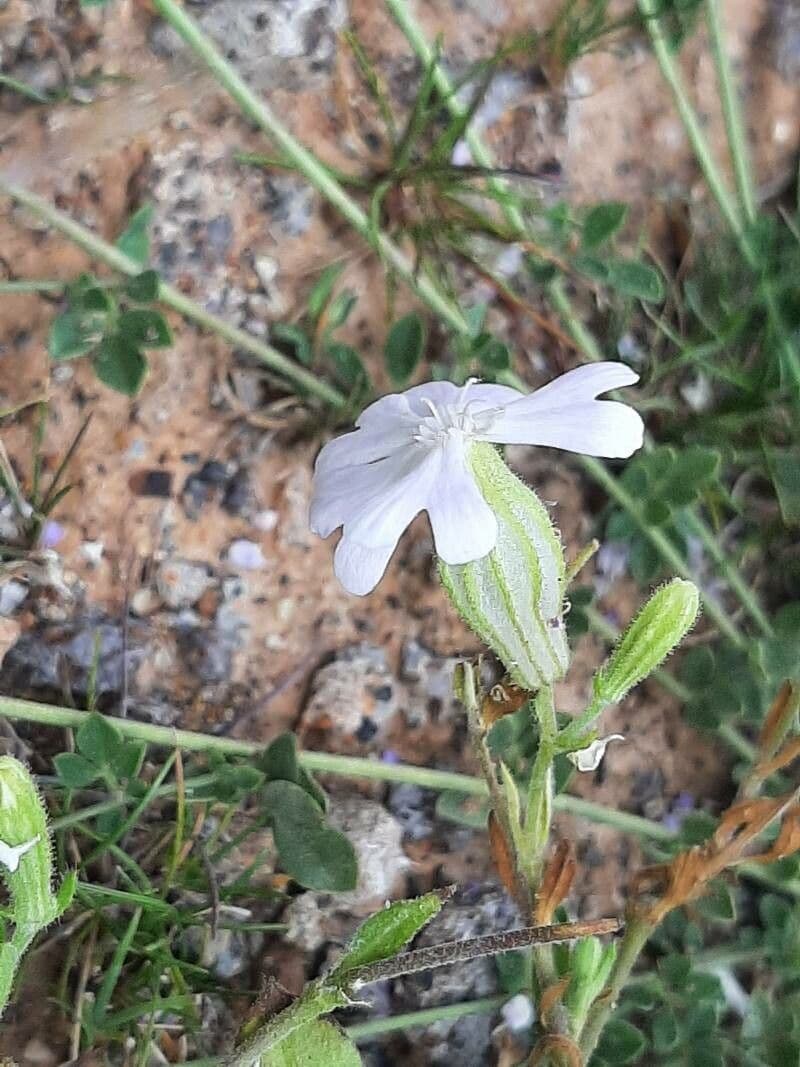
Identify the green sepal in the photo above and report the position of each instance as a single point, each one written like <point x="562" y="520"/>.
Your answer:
<point x="513" y="598"/>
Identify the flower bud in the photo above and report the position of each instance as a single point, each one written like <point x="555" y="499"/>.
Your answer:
<point x="26" y="867"/>
<point x="513" y="598"/>
<point x="662" y="624"/>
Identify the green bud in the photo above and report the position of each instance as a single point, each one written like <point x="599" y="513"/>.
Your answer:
<point x="513" y="598"/>
<point x="590" y="966"/>
<point x="26" y="867"/>
<point x="662" y="624"/>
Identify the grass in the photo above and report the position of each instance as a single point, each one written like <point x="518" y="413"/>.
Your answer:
<point x="730" y="319"/>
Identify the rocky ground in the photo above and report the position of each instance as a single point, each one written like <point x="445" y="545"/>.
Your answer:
<point x="186" y="542"/>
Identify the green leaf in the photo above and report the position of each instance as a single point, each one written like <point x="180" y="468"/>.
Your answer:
<point x="296" y="338"/>
<point x="127" y="761"/>
<point x="144" y="288"/>
<point x="314" y="1045"/>
<point x="388" y="932"/>
<point x="347" y="362"/>
<point x="665" y="1030"/>
<point x="404" y="347"/>
<point x="494" y="356"/>
<point x="475" y="317"/>
<point x="75" y="333"/>
<point x="592" y="267"/>
<point x="718" y="904"/>
<point x="313" y="853"/>
<point x="602" y="222"/>
<point x="784" y="469"/>
<point x="99" y="739"/>
<point x="145" y="328"/>
<point x="513" y="971"/>
<point x="134" y="241"/>
<point x="622" y="1042"/>
<point x="636" y="279"/>
<point x="339" y="310"/>
<point x="280" y="763"/>
<point x="75" y="771"/>
<point x="321" y="293"/>
<point x="120" y="365"/>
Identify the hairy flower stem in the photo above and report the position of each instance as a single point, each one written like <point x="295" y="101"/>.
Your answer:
<point x="636" y="934"/>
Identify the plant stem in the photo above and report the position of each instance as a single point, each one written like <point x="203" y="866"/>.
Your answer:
<point x="32" y="286"/>
<point x="665" y="547"/>
<point x="473" y="948"/>
<point x="319" y="762"/>
<point x="539" y="813"/>
<point x="634" y="940"/>
<point x="446" y="1012"/>
<point x="580" y="335"/>
<point x="732" y="109"/>
<point x="104" y="252"/>
<point x="306" y="163"/>
<point x="691" y="124"/>
<point x="736" y="141"/>
<point x="317" y="1000"/>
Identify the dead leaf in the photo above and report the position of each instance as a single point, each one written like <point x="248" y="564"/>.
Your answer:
<point x="502" y="699"/>
<point x="556" y="882"/>
<point x="552" y="996"/>
<point x="502" y="855"/>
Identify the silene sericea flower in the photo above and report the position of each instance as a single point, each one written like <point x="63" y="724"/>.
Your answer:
<point x="411" y="453"/>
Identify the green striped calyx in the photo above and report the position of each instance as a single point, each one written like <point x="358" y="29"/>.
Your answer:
<point x="26" y="868"/>
<point x="513" y="598"/>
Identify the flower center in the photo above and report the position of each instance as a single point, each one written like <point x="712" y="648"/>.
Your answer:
<point x="447" y="422"/>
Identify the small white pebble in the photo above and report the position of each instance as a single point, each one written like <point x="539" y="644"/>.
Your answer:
<point x="246" y="555"/>
<point x="265" y="521"/>
<point x="518" y="1013"/>
<point x="92" y="552"/>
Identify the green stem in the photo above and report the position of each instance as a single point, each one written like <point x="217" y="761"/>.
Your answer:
<point x="577" y="331"/>
<point x="732" y="109"/>
<point x="317" y="1000"/>
<point x="633" y="941"/>
<point x="539" y="812"/>
<point x="736" y="141"/>
<point x="320" y="762"/>
<point x="691" y="124"/>
<point x="355" y="767"/>
<point x="104" y="252"/>
<point x="665" y="547"/>
<point x="32" y="286"/>
<point x="306" y="163"/>
<point x="444" y="1013"/>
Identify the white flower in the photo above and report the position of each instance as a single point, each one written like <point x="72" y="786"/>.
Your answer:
<point x="410" y="453"/>
<point x="589" y="759"/>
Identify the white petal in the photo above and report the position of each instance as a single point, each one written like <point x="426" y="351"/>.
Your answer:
<point x="597" y="428"/>
<point x="481" y="396"/>
<point x="464" y="526"/>
<point x="590" y="758"/>
<point x="565" y="414"/>
<point x="361" y="446"/>
<point x="382" y="518"/>
<point x="582" y="383"/>
<point x="358" y="568"/>
<point x="338" y="496"/>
